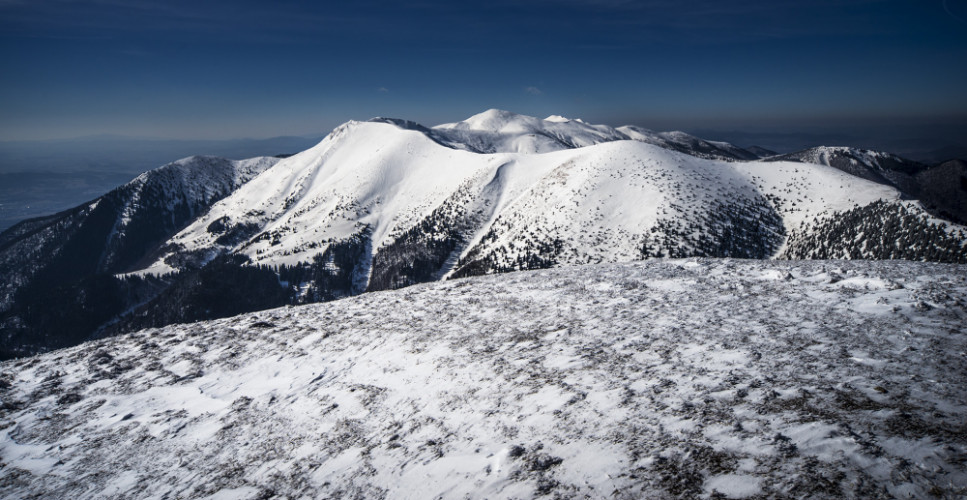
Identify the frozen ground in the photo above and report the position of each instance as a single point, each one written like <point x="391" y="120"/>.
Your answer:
<point x="658" y="379"/>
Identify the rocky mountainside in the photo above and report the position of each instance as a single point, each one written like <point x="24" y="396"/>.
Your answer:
<point x="389" y="203"/>
<point x="699" y="378"/>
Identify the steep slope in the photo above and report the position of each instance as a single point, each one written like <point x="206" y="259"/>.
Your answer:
<point x="130" y="220"/>
<point x="114" y="233"/>
<point x="662" y="379"/>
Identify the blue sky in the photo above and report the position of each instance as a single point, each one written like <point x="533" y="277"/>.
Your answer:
<point x="212" y="70"/>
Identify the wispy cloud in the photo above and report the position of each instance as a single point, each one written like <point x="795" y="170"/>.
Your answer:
<point x="955" y="15"/>
<point x="533" y="90"/>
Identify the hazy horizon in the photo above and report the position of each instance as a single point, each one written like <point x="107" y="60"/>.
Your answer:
<point x="921" y="139"/>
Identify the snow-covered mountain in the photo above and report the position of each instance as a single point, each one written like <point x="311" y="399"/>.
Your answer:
<point x="941" y="188"/>
<point x="404" y="198"/>
<point x="388" y="203"/>
<point x="699" y="378"/>
<point x="130" y="220"/>
<point x="115" y="233"/>
<point x="386" y="182"/>
<point x="499" y="131"/>
<point x="876" y="166"/>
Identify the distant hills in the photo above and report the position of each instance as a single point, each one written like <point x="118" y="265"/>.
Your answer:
<point x="38" y="178"/>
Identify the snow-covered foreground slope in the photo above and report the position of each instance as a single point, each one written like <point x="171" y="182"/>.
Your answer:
<point x="659" y="379"/>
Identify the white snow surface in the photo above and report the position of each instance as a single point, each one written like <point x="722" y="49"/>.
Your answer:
<point x="500" y="131"/>
<point x="587" y="186"/>
<point x="659" y="379"/>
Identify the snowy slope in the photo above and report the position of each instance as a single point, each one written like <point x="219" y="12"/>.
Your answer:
<point x="941" y="188"/>
<point x="118" y="230"/>
<point x="363" y="174"/>
<point x="865" y="158"/>
<point x="499" y="131"/>
<point x="400" y="188"/>
<point x="661" y="379"/>
<point x="689" y="144"/>
<point x="876" y="166"/>
<point x="183" y="189"/>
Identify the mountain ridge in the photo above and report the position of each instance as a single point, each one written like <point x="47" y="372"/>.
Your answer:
<point x="942" y="187"/>
<point x="76" y="252"/>
<point x="387" y="203"/>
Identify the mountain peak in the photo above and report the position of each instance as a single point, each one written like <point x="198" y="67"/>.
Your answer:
<point x="494" y="120"/>
<point x="563" y="119"/>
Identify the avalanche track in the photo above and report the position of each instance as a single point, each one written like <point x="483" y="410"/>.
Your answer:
<point x="658" y="379"/>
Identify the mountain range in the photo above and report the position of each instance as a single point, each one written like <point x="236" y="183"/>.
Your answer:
<point x="388" y="203"/>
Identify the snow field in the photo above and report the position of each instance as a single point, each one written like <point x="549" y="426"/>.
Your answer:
<point x="681" y="378"/>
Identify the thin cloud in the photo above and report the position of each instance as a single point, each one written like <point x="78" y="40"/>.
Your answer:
<point x="946" y="7"/>
<point x="533" y="90"/>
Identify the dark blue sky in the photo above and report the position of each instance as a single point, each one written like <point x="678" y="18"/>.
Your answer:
<point x="191" y="69"/>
